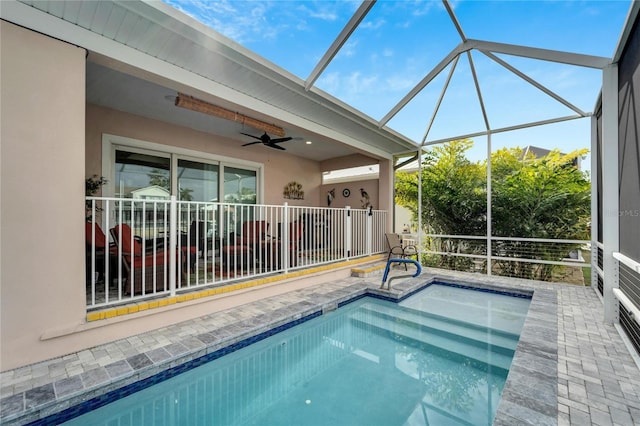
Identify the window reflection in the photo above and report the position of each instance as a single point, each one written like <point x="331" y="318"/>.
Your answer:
<point x="239" y="186"/>
<point x="142" y="176"/>
<point x="197" y="181"/>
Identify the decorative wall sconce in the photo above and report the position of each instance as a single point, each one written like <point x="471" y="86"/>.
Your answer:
<point x="293" y="191"/>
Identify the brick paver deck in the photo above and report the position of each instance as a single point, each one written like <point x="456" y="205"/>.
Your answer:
<point x="569" y="369"/>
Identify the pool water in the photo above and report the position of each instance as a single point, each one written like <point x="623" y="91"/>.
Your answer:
<point x="439" y="357"/>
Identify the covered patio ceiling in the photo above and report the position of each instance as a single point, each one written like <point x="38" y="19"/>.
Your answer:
<point x="141" y="54"/>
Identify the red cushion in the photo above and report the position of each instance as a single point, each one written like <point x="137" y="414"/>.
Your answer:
<point x="254" y="231"/>
<point x="233" y="250"/>
<point x="161" y="258"/>
<point x="100" y="239"/>
<point x="122" y="235"/>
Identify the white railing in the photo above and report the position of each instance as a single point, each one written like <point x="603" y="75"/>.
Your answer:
<point x="138" y="249"/>
<point x="597" y="254"/>
<point x="531" y="258"/>
<point x="629" y="286"/>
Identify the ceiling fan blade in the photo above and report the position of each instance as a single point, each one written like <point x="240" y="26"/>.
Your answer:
<point x="281" y="140"/>
<point x="271" y="145"/>
<point x="255" y="137"/>
<point x="251" y="143"/>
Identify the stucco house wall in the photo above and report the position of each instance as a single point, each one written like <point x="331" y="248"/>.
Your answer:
<point x="42" y="193"/>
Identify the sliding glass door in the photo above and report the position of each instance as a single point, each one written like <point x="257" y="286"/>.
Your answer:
<point x="148" y="175"/>
<point x="240" y="186"/>
<point x="197" y="181"/>
<point x="142" y="175"/>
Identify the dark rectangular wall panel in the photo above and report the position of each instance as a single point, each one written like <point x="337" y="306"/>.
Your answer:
<point x="629" y="145"/>
<point x="629" y="173"/>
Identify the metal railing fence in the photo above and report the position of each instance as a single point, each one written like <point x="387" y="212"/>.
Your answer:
<point x="528" y="258"/>
<point x="628" y="297"/>
<point x="137" y="249"/>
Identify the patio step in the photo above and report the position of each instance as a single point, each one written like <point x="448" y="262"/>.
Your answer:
<point x="456" y="339"/>
<point x="368" y="270"/>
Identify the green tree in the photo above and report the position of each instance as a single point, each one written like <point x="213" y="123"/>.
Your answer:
<point x="454" y="202"/>
<point x="454" y="196"/>
<point x="159" y="178"/>
<point x="532" y="197"/>
<point x="545" y="197"/>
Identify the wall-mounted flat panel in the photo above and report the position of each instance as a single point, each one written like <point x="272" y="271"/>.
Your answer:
<point x="629" y="146"/>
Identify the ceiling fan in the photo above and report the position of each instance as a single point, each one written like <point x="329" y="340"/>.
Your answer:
<point x="266" y="140"/>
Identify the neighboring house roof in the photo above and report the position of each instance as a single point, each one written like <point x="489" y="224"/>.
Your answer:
<point x="153" y="192"/>
<point x="538" y="152"/>
<point x="535" y="151"/>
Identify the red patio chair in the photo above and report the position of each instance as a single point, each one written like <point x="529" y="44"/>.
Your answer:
<point x="96" y="242"/>
<point x="192" y="244"/>
<point x="244" y="248"/>
<point x="254" y="232"/>
<point x="154" y="262"/>
<point x="296" y="231"/>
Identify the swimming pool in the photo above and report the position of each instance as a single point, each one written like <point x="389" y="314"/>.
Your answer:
<point x="369" y="362"/>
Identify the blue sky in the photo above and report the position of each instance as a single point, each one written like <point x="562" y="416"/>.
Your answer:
<point x="399" y="42"/>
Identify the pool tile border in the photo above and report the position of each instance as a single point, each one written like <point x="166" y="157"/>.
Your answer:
<point x="129" y="389"/>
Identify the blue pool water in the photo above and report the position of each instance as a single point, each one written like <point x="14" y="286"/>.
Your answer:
<point x="439" y="357"/>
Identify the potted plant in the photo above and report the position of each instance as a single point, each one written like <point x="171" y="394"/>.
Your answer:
<point x="91" y="187"/>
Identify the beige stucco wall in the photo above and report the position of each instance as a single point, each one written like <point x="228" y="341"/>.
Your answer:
<point x="346" y="162"/>
<point x="41" y="191"/>
<point x="354" y="200"/>
<point x="380" y="190"/>
<point x="280" y="167"/>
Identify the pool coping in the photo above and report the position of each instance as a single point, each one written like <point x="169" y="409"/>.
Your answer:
<point x="529" y="395"/>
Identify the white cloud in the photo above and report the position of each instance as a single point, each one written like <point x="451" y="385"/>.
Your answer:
<point x="373" y="25"/>
<point x="358" y="83"/>
<point x="399" y="82"/>
<point x="330" y="82"/>
<point x="349" y="48"/>
<point x="421" y="8"/>
<point x="324" y="15"/>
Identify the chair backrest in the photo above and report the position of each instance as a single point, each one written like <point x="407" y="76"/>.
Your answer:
<point x="123" y="238"/>
<point x="196" y="233"/>
<point x="295" y="231"/>
<point x="393" y="240"/>
<point x="254" y="231"/>
<point x="99" y="240"/>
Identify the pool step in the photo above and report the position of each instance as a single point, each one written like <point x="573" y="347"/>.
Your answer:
<point x="457" y="338"/>
<point x="440" y="324"/>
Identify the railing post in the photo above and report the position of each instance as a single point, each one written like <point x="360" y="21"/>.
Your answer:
<point x="489" y="207"/>
<point x="369" y="230"/>
<point x="347" y="232"/>
<point x="173" y="232"/>
<point x="284" y="245"/>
